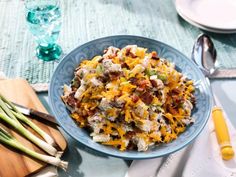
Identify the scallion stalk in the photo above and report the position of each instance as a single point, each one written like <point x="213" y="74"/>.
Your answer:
<point x="43" y="134"/>
<point x="9" y="140"/>
<point x="6" y="109"/>
<point x="14" y="112"/>
<point x="21" y="129"/>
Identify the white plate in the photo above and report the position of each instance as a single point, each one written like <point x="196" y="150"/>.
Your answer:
<point x="214" y="30"/>
<point x="214" y="14"/>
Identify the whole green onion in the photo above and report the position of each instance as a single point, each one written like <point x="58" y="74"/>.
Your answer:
<point x="15" y="124"/>
<point x="14" y="112"/>
<point x="9" y="140"/>
<point x="8" y="116"/>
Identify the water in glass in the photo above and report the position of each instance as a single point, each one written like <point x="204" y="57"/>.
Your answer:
<point x="44" y="21"/>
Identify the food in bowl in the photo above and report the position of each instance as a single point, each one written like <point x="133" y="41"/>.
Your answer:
<point x="130" y="99"/>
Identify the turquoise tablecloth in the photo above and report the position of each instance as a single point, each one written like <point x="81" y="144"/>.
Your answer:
<point x="84" y="20"/>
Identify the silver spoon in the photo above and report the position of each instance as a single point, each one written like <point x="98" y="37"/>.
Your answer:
<point x="204" y="55"/>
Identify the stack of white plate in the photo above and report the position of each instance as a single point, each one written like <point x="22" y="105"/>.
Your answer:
<point x="217" y="16"/>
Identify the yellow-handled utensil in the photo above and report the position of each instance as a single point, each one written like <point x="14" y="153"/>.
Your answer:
<point x="204" y="55"/>
<point x="222" y="133"/>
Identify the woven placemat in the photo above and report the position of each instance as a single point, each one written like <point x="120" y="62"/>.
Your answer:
<point x="86" y="20"/>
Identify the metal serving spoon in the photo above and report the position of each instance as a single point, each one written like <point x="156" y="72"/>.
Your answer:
<point x="204" y="55"/>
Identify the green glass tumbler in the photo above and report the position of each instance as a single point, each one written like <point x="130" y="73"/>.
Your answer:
<point x="44" y="20"/>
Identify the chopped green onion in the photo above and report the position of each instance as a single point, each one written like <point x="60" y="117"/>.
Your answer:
<point x="162" y="77"/>
<point x="9" y="140"/>
<point x="99" y="69"/>
<point x="75" y="82"/>
<point x="159" y="108"/>
<point x="123" y="79"/>
<point x="125" y="83"/>
<point x="150" y="72"/>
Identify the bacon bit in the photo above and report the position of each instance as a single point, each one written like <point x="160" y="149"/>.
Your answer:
<point x="143" y="84"/>
<point x="71" y="101"/>
<point x="154" y="55"/>
<point x="176" y="91"/>
<point x="154" y="83"/>
<point x="177" y="99"/>
<point x="114" y="75"/>
<point x="100" y="60"/>
<point x="172" y="110"/>
<point x="90" y="113"/>
<point x="103" y="79"/>
<point x="127" y="52"/>
<point x="134" y="98"/>
<point x="139" y="89"/>
<point x="132" y="55"/>
<point x="146" y="97"/>
<point x="133" y="80"/>
<point x="129" y="135"/>
<point x="124" y="65"/>
<point x="156" y="93"/>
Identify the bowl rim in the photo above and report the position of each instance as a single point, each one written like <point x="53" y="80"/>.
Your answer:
<point x="142" y="155"/>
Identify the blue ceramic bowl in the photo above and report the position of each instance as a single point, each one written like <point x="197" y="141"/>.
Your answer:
<point x="65" y="71"/>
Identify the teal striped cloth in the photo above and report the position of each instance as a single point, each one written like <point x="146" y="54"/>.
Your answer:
<point x="84" y="20"/>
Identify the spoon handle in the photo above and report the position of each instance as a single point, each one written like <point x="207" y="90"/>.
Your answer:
<point x="222" y="133"/>
<point x="224" y="73"/>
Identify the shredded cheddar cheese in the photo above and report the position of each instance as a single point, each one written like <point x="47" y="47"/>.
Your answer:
<point x="130" y="98"/>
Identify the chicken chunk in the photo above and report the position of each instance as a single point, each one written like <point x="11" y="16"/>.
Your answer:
<point x="95" y="82"/>
<point x="111" y="67"/>
<point x="101" y="138"/>
<point x="156" y="83"/>
<point x="80" y="90"/>
<point x="141" y="144"/>
<point x="104" y="104"/>
<point x="188" y="120"/>
<point x="145" y="125"/>
<point x="110" y="52"/>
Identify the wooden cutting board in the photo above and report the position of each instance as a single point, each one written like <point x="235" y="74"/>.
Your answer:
<point x="15" y="164"/>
